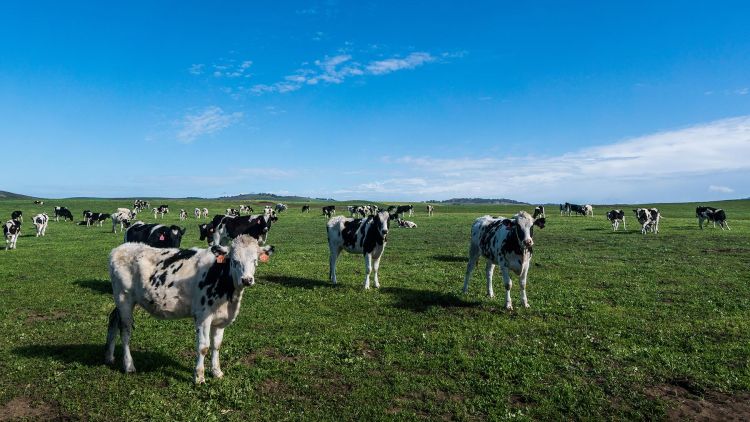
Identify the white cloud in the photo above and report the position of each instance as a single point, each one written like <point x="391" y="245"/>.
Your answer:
<point x="720" y="189"/>
<point x="211" y="120"/>
<point x="381" y="67"/>
<point x="742" y="91"/>
<point x="649" y="165"/>
<point x="196" y="69"/>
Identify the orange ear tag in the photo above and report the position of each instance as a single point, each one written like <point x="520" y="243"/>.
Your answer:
<point x="220" y="259"/>
<point x="264" y="257"/>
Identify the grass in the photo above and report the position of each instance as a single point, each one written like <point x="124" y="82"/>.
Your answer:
<point x="613" y="317"/>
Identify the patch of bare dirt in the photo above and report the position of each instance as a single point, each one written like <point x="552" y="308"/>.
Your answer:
<point x="51" y="316"/>
<point x="688" y="402"/>
<point x="267" y="353"/>
<point x="23" y="408"/>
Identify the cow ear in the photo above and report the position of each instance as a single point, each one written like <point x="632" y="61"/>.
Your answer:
<point x="540" y="222"/>
<point x="266" y="252"/>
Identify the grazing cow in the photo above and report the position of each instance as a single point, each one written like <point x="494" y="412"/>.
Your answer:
<point x="183" y="214"/>
<point x="160" y="210"/>
<point x="197" y="213"/>
<point x="506" y="242"/>
<point x="86" y="214"/>
<point x="701" y="213"/>
<point x="430" y="210"/>
<point x="121" y="216"/>
<point x="246" y="208"/>
<point x="616" y="217"/>
<point x="588" y="210"/>
<point x="578" y="209"/>
<point x="11" y="230"/>
<point x="38" y="202"/>
<point x="155" y="235"/>
<point x="366" y="236"/>
<point x="64" y="213"/>
<point x="306" y="208"/>
<point x="205" y="284"/>
<point x="718" y="216"/>
<point x="565" y="209"/>
<point x="17" y="215"/>
<point x="539" y="212"/>
<point x="406" y="224"/>
<point x="40" y="222"/>
<point x="644" y="217"/>
<point x="401" y="209"/>
<point x="256" y="226"/>
<point x="140" y="205"/>
<point x="281" y="207"/>
<point x="329" y="210"/>
<point x="96" y="217"/>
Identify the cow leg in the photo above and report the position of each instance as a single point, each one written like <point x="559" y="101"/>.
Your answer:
<point x="368" y="269"/>
<point x="332" y="262"/>
<point x="202" y="342"/>
<point x="375" y="266"/>
<point x="125" y="310"/>
<point x="508" y="284"/>
<point x="522" y="282"/>
<point x="488" y="270"/>
<point x="473" y="257"/>
<point x="114" y="326"/>
<point x="217" y="335"/>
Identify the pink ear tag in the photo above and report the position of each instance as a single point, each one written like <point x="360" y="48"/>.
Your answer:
<point x="220" y="259"/>
<point x="264" y="257"/>
<point x="161" y="237"/>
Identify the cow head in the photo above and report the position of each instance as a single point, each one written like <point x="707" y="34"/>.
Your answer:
<point x="206" y="230"/>
<point x="244" y="257"/>
<point x="381" y="220"/>
<point x="523" y="224"/>
<point x="176" y="233"/>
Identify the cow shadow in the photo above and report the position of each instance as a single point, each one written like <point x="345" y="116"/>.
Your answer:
<point x="93" y="355"/>
<point x="422" y="300"/>
<point x="97" y="286"/>
<point x="449" y="258"/>
<point x="305" y="283"/>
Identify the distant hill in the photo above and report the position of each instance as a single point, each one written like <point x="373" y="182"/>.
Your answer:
<point x="271" y="197"/>
<point x="11" y="195"/>
<point x="501" y="201"/>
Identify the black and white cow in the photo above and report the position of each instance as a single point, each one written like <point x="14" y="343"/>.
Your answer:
<point x="246" y="208"/>
<point x="204" y="213"/>
<point x="329" y="210"/>
<point x="97" y="217"/>
<point x="183" y="214"/>
<point x="401" y="209"/>
<point x="643" y="215"/>
<point x="306" y="208"/>
<point x="40" y="222"/>
<point x="718" y="216"/>
<point x="430" y="210"/>
<point x="616" y="217"/>
<point x="366" y="236"/>
<point x="539" y="212"/>
<point x="281" y="207"/>
<point x="155" y="235"/>
<point x="406" y="224"/>
<point x="232" y="212"/>
<point x="160" y="210"/>
<point x="64" y="213"/>
<point x="565" y="209"/>
<point x="588" y="210"/>
<point x="206" y="232"/>
<point x="121" y="216"/>
<point x="11" y="230"/>
<point x="197" y="213"/>
<point x="506" y="242"/>
<point x="256" y="226"/>
<point x="205" y="284"/>
<point x="17" y="215"/>
<point x="701" y="214"/>
<point x="655" y="218"/>
<point x="38" y="202"/>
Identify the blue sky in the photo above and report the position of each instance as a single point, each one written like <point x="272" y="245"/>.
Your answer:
<point x="576" y="101"/>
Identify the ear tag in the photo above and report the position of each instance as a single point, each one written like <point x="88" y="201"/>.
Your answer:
<point x="264" y="257"/>
<point x="220" y="259"/>
<point x="161" y="237"/>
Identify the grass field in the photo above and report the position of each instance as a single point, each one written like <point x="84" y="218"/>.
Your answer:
<point x="621" y="326"/>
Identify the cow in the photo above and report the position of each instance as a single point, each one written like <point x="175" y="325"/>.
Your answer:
<point x="306" y="208"/>
<point x="391" y="209"/>
<point x="616" y="217"/>
<point x="17" y="216"/>
<point x="655" y="218"/>
<point x="718" y="216"/>
<point x="506" y="242"/>
<point x="205" y="284"/>
<point x="160" y="210"/>
<point x="97" y="217"/>
<point x="232" y="212"/>
<point x="86" y="214"/>
<point x="329" y="210"/>
<point x="38" y="202"/>
<point x="366" y="236"/>
<point x="370" y="210"/>
<point x="701" y="213"/>
<point x="121" y="216"/>
<point x="140" y="205"/>
<point x="578" y="209"/>
<point x="281" y="207"/>
<point x="430" y="210"/>
<point x="206" y="232"/>
<point x="155" y="235"/>
<point x="197" y="213"/>
<point x="539" y="212"/>
<point x="183" y="214"/>
<point x="40" y="222"/>
<point x="401" y="209"/>
<point x="246" y="208"/>
<point x="565" y="209"/>
<point x="64" y="213"/>
<point x="256" y="226"/>
<point x="588" y="210"/>
<point x="643" y="215"/>
<point x="406" y="224"/>
<point x="11" y="230"/>
<point x="204" y="213"/>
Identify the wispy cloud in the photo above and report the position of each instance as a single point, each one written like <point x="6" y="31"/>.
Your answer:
<point x="644" y="164"/>
<point x="742" y="91"/>
<point x="381" y="67"/>
<point x="196" y="69"/>
<point x="208" y="121"/>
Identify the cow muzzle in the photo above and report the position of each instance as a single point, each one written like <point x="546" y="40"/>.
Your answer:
<point x="248" y="281"/>
<point x="528" y="242"/>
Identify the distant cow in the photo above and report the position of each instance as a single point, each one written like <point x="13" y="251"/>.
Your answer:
<point x="281" y="207"/>
<point x="655" y="218"/>
<point x="246" y="208"/>
<point x="183" y="214"/>
<point x="155" y="235"/>
<point x="643" y="216"/>
<point x="701" y="214"/>
<point x="430" y="210"/>
<point x="40" y="222"/>
<point x="401" y="209"/>
<point x="160" y="210"/>
<point x="718" y="216"/>
<point x="578" y="209"/>
<point x="306" y="208"/>
<point x="204" y="213"/>
<point x="366" y="236"/>
<point x="121" y="216"/>
<point x="38" y="202"/>
<point x="232" y="211"/>
<point x="97" y="217"/>
<point x="329" y="210"/>
<point x="11" y="230"/>
<point x="565" y="209"/>
<point x="588" y="210"/>
<point x="17" y="215"/>
<point x="616" y="217"/>
<point x="406" y="224"/>
<point x="506" y="242"/>
<point x="539" y="212"/>
<point x="197" y="213"/>
<point x="64" y="213"/>
<point x="256" y="226"/>
<point x="203" y="284"/>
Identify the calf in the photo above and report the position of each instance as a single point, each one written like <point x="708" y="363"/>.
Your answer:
<point x="718" y="216"/>
<point x="205" y="284"/>
<point x="281" y="207"/>
<point x="329" y="210"/>
<point x="506" y="242"/>
<point x="40" y="222"/>
<point x="701" y="213"/>
<point x="256" y="226"/>
<point x="183" y="214"/>
<point x="616" y="217"/>
<point x="430" y="210"/>
<point x="539" y="212"/>
<point x="11" y="230"/>
<point x="306" y="208"/>
<point x="401" y="209"/>
<point x="64" y="213"/>
<point x="17" y="215"/>
<point x="643" y="216"/>
<point x="406" y="224"/>
<point x="155" y="235"/>
<point x="366" y="236"/>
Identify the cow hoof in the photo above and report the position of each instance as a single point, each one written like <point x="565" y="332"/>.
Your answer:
<point x="509" y="307"/>
<point x="130" y="370"/>
<point x="526" y="305"/>
<point x="217" y="373"/>
<point x="199" y="381"/>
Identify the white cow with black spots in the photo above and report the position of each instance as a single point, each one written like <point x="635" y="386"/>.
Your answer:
<point x="366" y="236"/>
<point x="40" y="222"/>
<point x="11" y="230"/>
